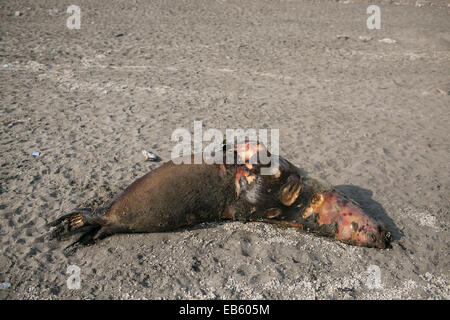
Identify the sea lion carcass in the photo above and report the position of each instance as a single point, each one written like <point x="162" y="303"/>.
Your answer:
<point x="178" y="195"/>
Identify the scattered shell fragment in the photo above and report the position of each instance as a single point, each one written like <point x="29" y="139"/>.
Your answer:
<point x="53" y="11"/>
<point x="365" y="38"/>
<point x="5" y="285"/>
<point x="443" y="91"/>
<point x="422" y="3"/>
<point x="150" y="156"/>
<point x="388" y="40"/>
<point x="342" y="36"/>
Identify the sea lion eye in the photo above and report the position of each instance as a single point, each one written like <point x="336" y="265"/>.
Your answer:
<point x="317" y="199"/>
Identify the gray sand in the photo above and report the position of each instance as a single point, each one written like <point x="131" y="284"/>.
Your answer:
<point x="365" y="116"/>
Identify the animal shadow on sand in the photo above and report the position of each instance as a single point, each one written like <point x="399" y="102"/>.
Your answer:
<point x="371" y="207"/>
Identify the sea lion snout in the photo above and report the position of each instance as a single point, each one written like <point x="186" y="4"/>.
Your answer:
<point x="374" y="237"/>
<point x="354" y="226"/>
<point x="382" y="238"/>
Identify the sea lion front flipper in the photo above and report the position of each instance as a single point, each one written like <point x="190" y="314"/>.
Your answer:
<point x="290" y="190"/>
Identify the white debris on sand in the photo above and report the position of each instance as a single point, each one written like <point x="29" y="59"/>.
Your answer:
<point x="388" y="40"/>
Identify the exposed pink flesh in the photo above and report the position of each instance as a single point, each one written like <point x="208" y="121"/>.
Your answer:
<point x="353" y="225"/>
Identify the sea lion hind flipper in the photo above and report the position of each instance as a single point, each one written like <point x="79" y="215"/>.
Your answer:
<point x="79" y="220"/>
<point x="67" y="216"/>
<point x="86" y="239"/>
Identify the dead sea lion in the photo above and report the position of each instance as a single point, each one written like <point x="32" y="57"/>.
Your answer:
<point x="175" y="196"/>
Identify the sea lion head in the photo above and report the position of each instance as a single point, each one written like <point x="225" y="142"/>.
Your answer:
<point x="334" y="213"/>
<point x="378" y="238"/>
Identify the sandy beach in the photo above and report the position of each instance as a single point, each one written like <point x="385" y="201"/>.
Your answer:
<point x="371" y="117"/>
